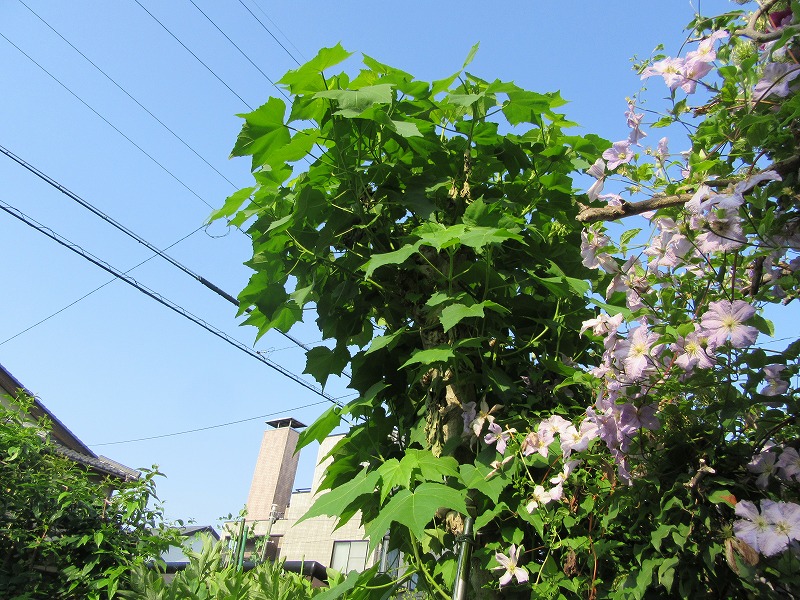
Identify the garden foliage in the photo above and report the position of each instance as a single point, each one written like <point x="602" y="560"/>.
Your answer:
<point x="64" y="531"/>
<point x="609" y="404"/>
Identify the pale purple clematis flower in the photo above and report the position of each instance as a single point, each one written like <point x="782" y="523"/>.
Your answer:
<point x="569" y="467"/>
<point x="483" y="415"/>
<point x="641" y="343"/>
<point x="536" y="442"/>
<point x="756" y="530"/>
<point x="598" y="171"/>
<point x="497" y="435"/>
<point x="764" y="465"/>
<point x="784" y="518"/>
<point x="789" y="463"/>
<point x="552" y="425"/>
<point x="619" y="153"/>
<point x="634" y="121"/>
<point x="498" y="465"/>
<point x="725" y="319"/>
<point x="724" y="232"/>
<point x="690" y="353"/>
<point x="775" y="80"/>
<point x="603" y="324"/>
<point x="693" y="71"/>
<point x="670" y="69"/>
<point x="662" y="151"/>
<point x="591" y="243"/>
<point x="541" y="496"/>
<point x="775" y="385"/>
<point x="577" y="440"/>
<point x="511" y="566"/>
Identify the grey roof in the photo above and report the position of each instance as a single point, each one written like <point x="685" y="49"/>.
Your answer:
<point x="66" y="443"/>
<point x="286" y="422"/>
<point x="193" y="529"/>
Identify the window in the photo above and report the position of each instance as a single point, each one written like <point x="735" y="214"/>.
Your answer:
<point x="349" y="556"/>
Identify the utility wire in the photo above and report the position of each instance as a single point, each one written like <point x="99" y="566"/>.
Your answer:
<point x="124" y="91"/>
<point x="175" y="263"/>
<point x="261" y="10"/>
<point x="16" y="213"/>
<point x="217" y="426"/>
<point x="97" y="289"/>
<point x="269" y="32"/>
<point x="209" y="69"/>
<point x="267" y="77"/>
<point x="109" y="123"/>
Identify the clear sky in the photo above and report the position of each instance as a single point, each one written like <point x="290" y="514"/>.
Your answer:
<point x="116" y="365"/>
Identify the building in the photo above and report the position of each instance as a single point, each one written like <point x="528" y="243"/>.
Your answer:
<point x="65" y="442"/>
<point x="273" y="508"/>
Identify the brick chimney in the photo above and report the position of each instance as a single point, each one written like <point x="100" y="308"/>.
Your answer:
<point x="273" y="477"/>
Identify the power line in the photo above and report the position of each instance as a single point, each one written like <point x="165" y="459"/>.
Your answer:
<point x="269" y="32"/>
<point x="210" y="20"/>
<point x="97" y="289"/>
<point x="109" y="123"/>
<point x="217" y="426"/>
<point x="209" y="69"/>
<point x="119" y="226"/>
<point x="261" y="10"/>
<point x="16" y="213"/>
<point x="124" y="91"/>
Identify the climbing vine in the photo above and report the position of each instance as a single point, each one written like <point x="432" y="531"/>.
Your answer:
<point x="603" y="407"/>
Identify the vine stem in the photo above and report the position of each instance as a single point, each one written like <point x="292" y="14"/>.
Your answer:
<point x="421" y="567"/>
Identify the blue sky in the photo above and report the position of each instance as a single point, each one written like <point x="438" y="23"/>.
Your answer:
<point x="116" y="365"/>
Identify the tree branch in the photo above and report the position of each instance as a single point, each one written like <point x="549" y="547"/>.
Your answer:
<point x="627" y="209"/>
<point x="750" y="31"/>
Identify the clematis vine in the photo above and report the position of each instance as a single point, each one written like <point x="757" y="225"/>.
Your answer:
<point x="510" y="564"/>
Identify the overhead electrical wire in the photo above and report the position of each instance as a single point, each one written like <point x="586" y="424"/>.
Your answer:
<point x="124" y="91"/>
<point x="109" y="123"/>
<point x="16" y="213"/>
<point x="286" y="37"/>
<point x="235" y="45"/>
<point x="131" y="234"/>
<point x="217" y="426"/>
<point x="209" y="69"/>
<point x="269" y="32"/>
<point x="97" y="289"/>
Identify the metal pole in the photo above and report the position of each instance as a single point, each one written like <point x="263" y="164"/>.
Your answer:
<point x="462" y="569"/>
<point x="273" y="516"/>
<point x="243" y="543"/>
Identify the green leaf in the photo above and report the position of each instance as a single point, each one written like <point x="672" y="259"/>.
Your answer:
<point x="321" y="428"/>
<point x="430" y="356"/>
<point x="722" y="497"/>
<point x="455" y="313"/>
<point x="415" y="509"/>
<point x="394" y="473"/>
<point x="390" y="258"/>
<point x="232" y="204"/>
<point x="666" y="571"/>
<point x="354" y="102"/>
<point x="406" y="129"/>
<point x="472" y="52"/>
<point x="334" y="502"/>
<point x="321" y="362"/>
<point x="308" y="77"/>
<point x="430" y="467"/>
<point x="765" y="326"/>
<point x="477" y="477"/>
<point x="385" y="341"/>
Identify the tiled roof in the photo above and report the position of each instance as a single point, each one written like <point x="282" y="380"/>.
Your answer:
<point x="66" y="443"/>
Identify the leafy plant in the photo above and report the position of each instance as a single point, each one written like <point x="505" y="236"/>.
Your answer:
<point x="64" y="532"/>
<point x="591" y="400"/>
